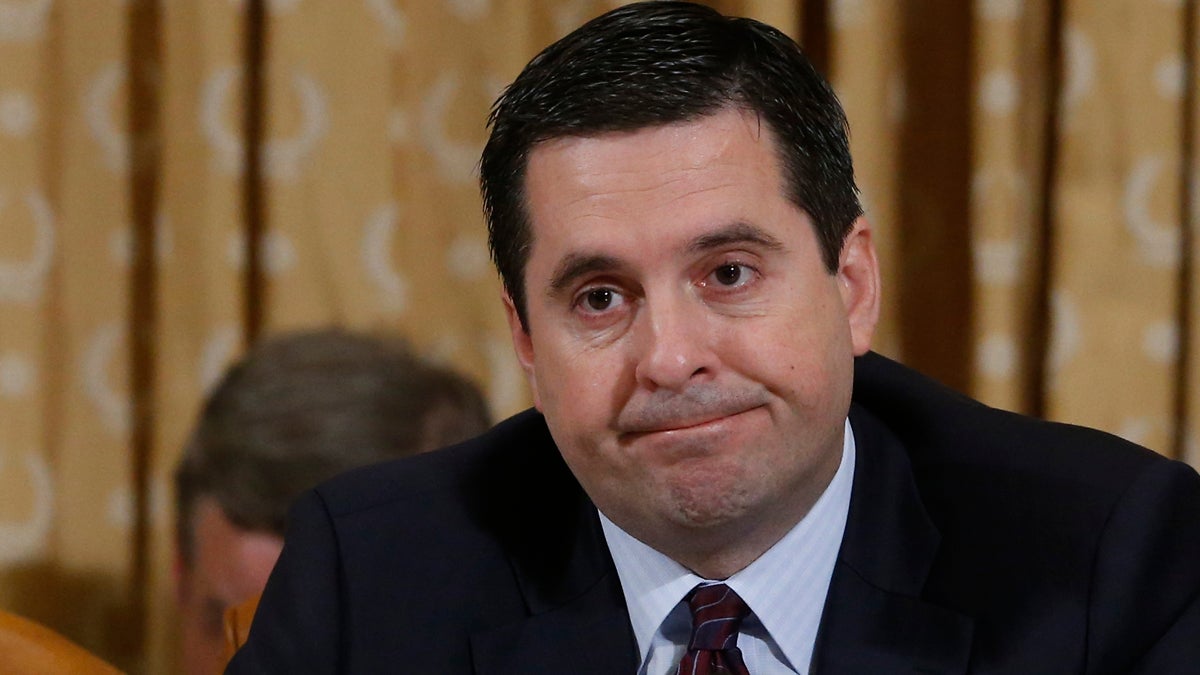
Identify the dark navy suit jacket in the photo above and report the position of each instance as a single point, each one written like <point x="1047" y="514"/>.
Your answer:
<point x="977" y="541"/>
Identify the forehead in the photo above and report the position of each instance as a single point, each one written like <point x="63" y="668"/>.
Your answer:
<point x="710" y="172"/>
<point x="731" y="138"/>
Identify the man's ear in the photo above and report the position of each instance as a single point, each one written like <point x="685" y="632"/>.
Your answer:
<point x="523" y="346"/>
<point x="858" y="281"/>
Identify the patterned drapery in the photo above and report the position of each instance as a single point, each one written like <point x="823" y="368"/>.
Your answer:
<point x="178" y="178"/>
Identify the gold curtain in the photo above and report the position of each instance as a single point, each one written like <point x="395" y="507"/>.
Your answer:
<point x="179" y="178"/>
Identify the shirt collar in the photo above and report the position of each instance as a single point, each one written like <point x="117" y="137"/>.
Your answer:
<point x="785" y="587"/>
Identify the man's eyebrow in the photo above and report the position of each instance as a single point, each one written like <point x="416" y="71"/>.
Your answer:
<point x="735" y="233"/>
<point x="577" y="265"/>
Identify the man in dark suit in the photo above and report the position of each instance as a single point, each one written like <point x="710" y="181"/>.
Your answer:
<point x="719" y="476"/>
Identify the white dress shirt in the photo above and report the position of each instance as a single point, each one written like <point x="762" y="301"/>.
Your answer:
<point x="785" y="587"/>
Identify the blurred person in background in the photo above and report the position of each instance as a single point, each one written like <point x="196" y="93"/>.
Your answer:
<point x="296" y="410"/>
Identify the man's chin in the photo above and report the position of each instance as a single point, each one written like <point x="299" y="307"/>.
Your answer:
<point x="709" y="505"/>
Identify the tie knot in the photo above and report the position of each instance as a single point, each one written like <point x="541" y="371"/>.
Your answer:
<point x="717" y="613"/>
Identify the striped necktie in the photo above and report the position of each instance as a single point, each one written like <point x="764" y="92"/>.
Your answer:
<point x="717" y="613"/>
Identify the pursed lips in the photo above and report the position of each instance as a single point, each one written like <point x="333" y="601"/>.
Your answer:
<point x="682" y="424"/>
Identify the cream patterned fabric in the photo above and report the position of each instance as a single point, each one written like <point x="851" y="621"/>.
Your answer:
<point x="127" y="283"/>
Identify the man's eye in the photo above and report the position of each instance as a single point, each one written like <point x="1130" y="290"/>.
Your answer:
<point x="728" y="274"/>
<point x="731" y="274"/>
<point x="601" y="299"/>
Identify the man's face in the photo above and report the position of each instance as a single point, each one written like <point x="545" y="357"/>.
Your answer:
<point x="231" y="565"/>
<point x="691" y="353"/>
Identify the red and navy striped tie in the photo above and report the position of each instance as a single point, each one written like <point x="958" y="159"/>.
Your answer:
<point x="717" y="613"/>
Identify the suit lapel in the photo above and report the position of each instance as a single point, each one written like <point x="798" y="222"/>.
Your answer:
<point x="874" y="618"/>
<point x="577" y="619"/>
<point x="590" y="635"/>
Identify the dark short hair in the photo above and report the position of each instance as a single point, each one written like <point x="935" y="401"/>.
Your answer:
<point x="302" y="407"/>
<point x="655" y="63"/>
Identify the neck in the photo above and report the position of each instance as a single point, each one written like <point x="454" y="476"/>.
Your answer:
<point x="726" y="556"/>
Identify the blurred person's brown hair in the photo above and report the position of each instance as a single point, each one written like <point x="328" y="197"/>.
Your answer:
<point x="297" y="409"/>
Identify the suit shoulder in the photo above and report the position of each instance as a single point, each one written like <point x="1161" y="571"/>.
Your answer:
<point x="1064" y="545"/>
<point x="944" y="431"/>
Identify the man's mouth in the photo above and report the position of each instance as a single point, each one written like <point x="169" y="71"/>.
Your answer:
<point x="682" y="424"/>
<point x="700" y="409"/>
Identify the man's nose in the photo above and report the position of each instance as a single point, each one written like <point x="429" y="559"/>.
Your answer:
<point x="675" y="345"/>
